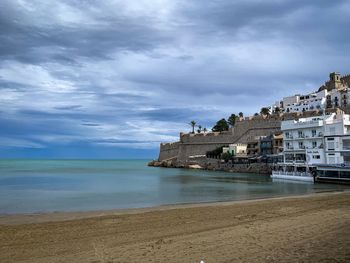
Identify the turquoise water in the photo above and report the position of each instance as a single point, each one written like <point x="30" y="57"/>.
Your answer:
<point x="28" y="186"/>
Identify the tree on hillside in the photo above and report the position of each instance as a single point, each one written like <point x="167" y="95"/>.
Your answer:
<point x="240" y="114"/>
<point x="199" y="129"/>
<point x="220" y="126"/>
<point x="232" y="119"/>
<point x="256" y="114"/>
<point x="205" y="129"/>
<point x="277" y="110"/>
<point x="265" y="111"/>
<point x="193" y="125"/>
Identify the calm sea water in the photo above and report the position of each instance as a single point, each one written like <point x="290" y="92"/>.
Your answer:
<point x="28" y="186"/>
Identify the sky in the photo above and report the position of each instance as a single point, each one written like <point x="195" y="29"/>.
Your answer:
<point x="113" y="79"/>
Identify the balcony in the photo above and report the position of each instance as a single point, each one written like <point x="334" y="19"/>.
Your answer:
<point x="320" y="134"/>
<point x="292" y="125"/>
<point x="346" y="148"/>
<point x="295" y="161"/>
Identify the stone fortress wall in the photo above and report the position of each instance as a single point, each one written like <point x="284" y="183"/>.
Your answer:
<point x="198" y="144"/>
<point x="168" y="151"/>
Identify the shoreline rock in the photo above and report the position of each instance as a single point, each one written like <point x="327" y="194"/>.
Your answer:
<point x="255" y="168"/>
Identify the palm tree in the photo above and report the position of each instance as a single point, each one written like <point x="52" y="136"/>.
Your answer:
<point x="232" y="119"/>
<point x="240" y="114"/>
<point x="265" y="111"/>
<point x="193" y="124"/>
<point x="199" y="129"/>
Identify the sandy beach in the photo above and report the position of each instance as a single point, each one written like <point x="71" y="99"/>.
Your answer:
<point x="312" y="228"/>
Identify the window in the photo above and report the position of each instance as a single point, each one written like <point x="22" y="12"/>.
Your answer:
<point x="314" y="144"/>
<point x="300" y="134"/>
<point x="330" y="146"/>
<point x="313" y="133"/>
<point x="346" y="144"/>
<point x="287" y="134"/>
<point x="301" y="145"/>
<point x="316" y="157"/>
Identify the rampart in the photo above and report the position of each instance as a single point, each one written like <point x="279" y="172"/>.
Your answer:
<point x="168" y="151"/>
<point x="198" y="144"/>
<point x="345" y="79"/>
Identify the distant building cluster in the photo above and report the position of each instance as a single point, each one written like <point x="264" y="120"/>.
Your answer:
<point x="335" y="93"/>
<point x="260" y="146"/>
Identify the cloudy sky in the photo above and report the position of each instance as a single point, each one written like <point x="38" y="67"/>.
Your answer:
<point x="114" y="78"/>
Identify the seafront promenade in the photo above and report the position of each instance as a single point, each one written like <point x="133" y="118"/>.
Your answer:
<point x="312" y="228"/>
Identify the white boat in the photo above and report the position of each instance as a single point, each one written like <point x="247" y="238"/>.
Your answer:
<point x="293" y="176"/>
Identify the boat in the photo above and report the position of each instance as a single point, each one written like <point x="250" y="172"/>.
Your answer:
<point x="332" y="173"/>
<point x="293" y="173"/>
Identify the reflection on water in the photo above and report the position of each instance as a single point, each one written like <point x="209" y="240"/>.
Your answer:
<point x="78" y="185"/>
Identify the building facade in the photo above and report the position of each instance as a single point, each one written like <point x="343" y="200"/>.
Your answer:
<point x="303" y="140"/>
<point x="236" y="149"/>
<point x="337" y="140"/>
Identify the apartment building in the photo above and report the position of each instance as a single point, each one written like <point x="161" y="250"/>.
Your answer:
<point x="303" y="140"/>
<point x="337" y="140"/>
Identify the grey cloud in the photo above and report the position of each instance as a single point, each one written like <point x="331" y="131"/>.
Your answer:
<point x="119" y="71"/>
<point x="30" y="41"/>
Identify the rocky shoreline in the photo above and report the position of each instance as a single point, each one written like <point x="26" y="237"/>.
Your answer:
<point x="215" y="165"/>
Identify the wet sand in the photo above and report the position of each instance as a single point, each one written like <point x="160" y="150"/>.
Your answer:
<point x="313" y="228"/>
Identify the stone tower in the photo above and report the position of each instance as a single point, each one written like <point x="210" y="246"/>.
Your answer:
<point x="334" y="81"/>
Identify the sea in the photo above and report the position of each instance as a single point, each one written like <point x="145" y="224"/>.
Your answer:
<point x="39" y="186"/>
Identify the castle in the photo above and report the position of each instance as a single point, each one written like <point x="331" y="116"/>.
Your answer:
<point x="330" y="97"/>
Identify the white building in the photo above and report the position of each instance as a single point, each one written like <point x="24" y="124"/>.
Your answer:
<point x="337" y="98"/>
<point x="236" y="149"/>
<point x="309" y="102"/>
<point x="303" y="141"/>
<point x="337" y="140"/>
<point x="313" y="144"/>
